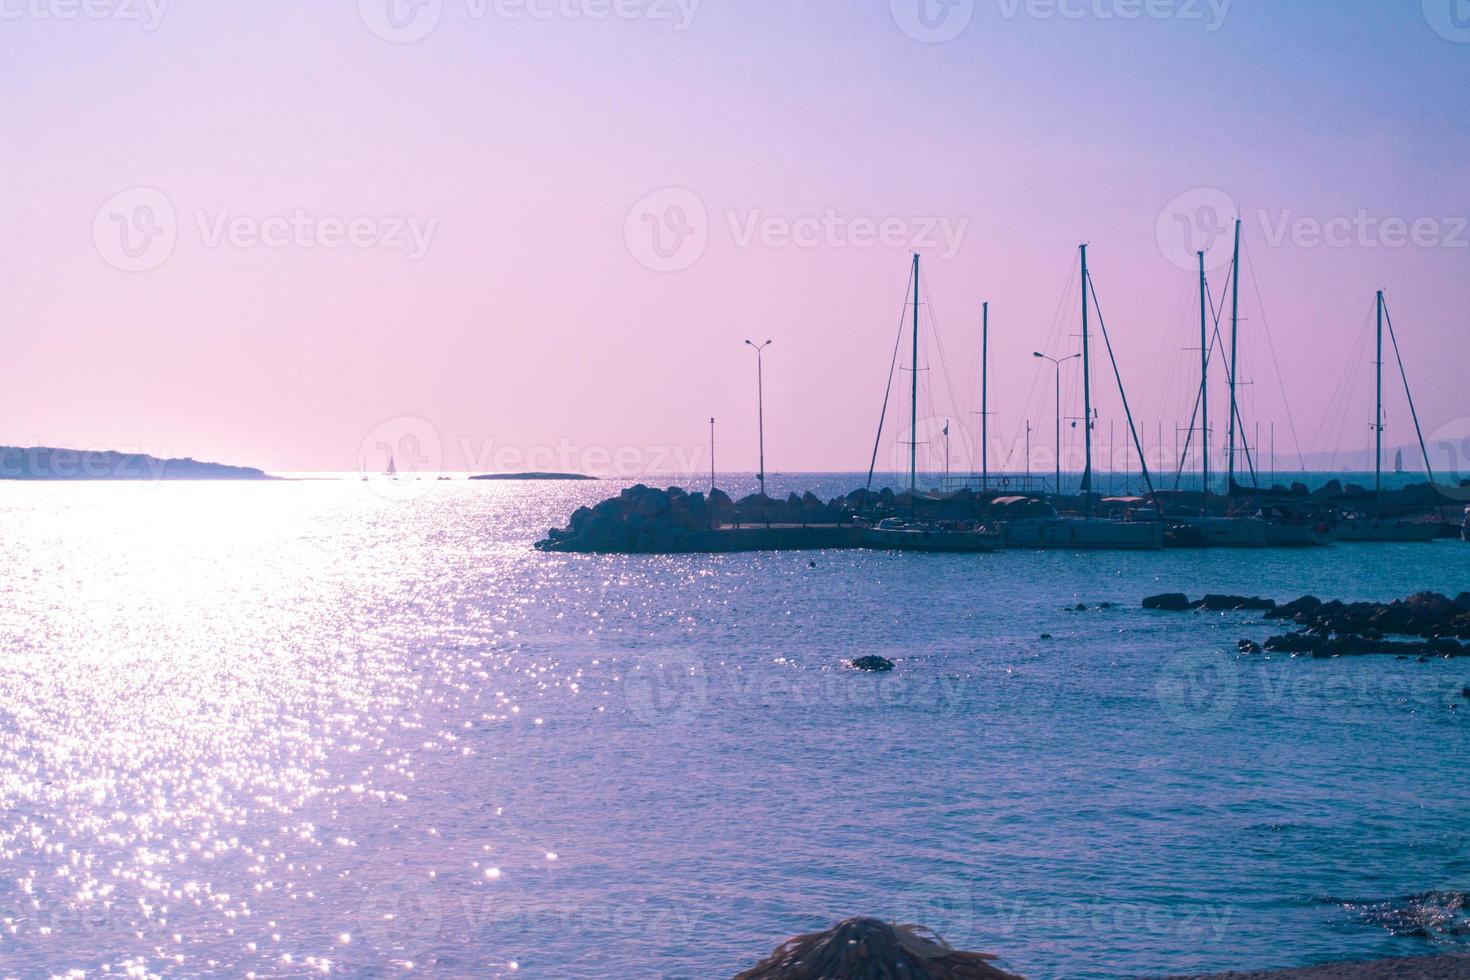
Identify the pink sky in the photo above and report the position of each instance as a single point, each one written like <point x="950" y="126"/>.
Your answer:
<point x="517" y="148"/>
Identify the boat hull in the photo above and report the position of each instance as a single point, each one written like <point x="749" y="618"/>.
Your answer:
<point x="1375" y="530"/>
<point x="1227" y="532"/>
<point x="954" y="542"/>
<point x="1299" y="535"/>
<point x="1080" y="534"/>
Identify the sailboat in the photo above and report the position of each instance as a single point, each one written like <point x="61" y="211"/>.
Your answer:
<point x="1216" y="532"/>
<point x="1284" y="525"/>
<point x="1361" y="527"/>
<point x="392" y="471"/>
<point x="1042" y="526"/>
<point x="897" y="534"/>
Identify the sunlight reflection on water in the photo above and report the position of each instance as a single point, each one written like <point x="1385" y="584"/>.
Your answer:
<point x="296" y="728"/>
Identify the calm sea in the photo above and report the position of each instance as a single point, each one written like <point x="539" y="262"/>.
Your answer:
<point x="307" y="728"/>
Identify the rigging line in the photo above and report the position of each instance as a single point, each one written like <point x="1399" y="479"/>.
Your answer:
<point x="1188" y="440"/>
<point x="1123" y="395"/>
<point x="1428" y="467"/>
<point x="1160" y="353"/>
<point x="974" y="367"/>
<point x="1280" y="379"/>
<point x="1239" y="420"/>
<point x="944" y="370"/>
<point x="1038" y="388"/>
<point x="1166" y="406"/>
<point x="887" y="392"/>
<point x="1209" y="356"/>
<point x="1230" y="379"/>
<point x="1343" y="379"/>
<point x="1200" y="393"/>
<point x="1245" y="445"/>
<point x="1199" y="397"/>
<point x="1346" y="382"/>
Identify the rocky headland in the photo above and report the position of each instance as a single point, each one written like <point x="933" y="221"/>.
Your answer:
<point x="49" y="463"/>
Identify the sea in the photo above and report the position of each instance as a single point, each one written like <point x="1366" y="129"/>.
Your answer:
<point x="363" y="728"/>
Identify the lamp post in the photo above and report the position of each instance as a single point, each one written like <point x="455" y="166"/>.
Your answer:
<point x="1058" y="365"/>
<point x="760" y="392"/>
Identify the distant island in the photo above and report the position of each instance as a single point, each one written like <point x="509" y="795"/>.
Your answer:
<point x="533" y="476"/>
<point x="49" y="463"/>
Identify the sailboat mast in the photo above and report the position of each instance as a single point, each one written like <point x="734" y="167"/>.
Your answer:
<point x="985" y="396"/>
<point x="1086" y="388"/>
<point x="1204" y="377"/>
<point x="1378" y="409"/>
<point x="1234" y="348"/>
<point x="914" y="391"/>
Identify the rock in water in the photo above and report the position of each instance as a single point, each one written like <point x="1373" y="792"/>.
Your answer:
<point x="1168" y="602"/>
<point x="880" y="665"/>
<point x="1225" y="603"/>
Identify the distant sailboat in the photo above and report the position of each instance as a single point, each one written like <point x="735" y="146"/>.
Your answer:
<point x="392" y="470"/>
<point x="1398" y="462"/>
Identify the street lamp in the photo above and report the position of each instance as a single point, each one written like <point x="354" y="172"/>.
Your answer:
<point x="760" y="390"/>
<point x="1058" y="365"/>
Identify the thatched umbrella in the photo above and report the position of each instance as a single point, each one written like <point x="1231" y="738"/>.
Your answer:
<point x="870" y="949"/>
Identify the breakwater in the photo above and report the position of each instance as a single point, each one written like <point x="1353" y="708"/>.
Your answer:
<point x="648" y="520"/>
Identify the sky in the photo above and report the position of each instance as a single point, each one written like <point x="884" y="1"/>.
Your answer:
<point x="535" y="234"/>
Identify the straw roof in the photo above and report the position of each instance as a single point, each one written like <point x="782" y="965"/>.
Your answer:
<point x="870" y="949"/>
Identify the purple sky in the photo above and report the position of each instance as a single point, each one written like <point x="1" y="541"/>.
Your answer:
<point x="350" y="225"/>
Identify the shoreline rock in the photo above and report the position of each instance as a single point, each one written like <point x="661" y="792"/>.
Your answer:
<point x="1445" y="966"/>
<point x="1436" y="623"/>
<point x="1179" y="602"/>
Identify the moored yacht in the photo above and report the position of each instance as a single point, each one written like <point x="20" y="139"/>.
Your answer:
<point x="895" y="534"/>
<point x="1030" y="523"/>
<point x="1286" y="527"/>
<point x="1360" y="527"/>
<point x="1225" y="532"/>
